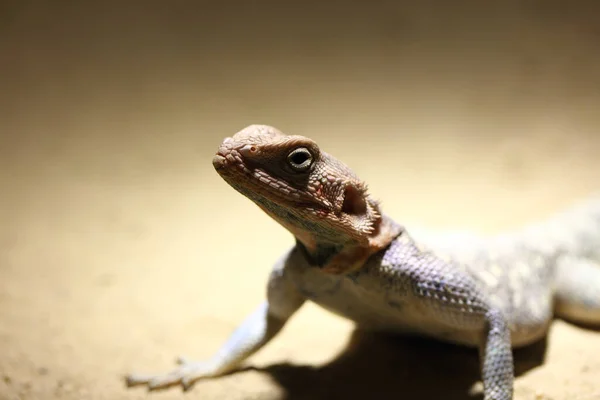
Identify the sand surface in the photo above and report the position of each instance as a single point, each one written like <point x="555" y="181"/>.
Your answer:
<point x="121" y="248"/>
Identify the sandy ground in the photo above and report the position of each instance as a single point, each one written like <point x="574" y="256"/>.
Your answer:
<point x="121" y="248"/>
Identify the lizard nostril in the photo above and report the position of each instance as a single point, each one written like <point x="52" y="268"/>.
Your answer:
<point x="247" y="150"/>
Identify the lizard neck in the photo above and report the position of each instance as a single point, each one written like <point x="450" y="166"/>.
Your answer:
<point x="343" y="258"/>
<point x="327" y="246"/>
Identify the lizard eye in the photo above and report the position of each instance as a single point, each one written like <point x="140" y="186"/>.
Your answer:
<point x="300" y="159"/>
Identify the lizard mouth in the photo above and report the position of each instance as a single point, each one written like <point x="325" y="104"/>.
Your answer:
<point x="230" y="165"/>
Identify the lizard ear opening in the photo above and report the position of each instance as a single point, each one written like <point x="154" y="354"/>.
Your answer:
<point x="354" y="201"/>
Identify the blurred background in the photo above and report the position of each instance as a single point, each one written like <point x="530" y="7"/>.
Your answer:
<point x="121" y="248"/>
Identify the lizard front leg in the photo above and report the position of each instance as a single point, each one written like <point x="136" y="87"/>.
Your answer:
<point x="257" y="330"/>
<point x="447" y="296"/>
<point x="459" y="304"/>
<point x="493" y="336"/>
<point x="497" y="368"/>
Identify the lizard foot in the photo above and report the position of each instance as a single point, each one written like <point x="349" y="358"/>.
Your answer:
<point x="185" y="375"/>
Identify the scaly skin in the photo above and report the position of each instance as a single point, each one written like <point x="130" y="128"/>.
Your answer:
<point x="351" y="259"/>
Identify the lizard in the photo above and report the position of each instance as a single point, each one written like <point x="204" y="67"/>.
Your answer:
<point x="494" y="294"/>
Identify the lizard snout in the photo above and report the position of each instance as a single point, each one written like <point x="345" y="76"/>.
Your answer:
<point x="218" y="161"/>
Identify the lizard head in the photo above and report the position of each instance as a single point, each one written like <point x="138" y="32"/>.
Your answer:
<point x="312" y="194"/>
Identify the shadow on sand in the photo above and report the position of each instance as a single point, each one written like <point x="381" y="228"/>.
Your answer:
<point x="375" y="366"/>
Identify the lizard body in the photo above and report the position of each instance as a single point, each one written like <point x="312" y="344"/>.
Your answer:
<point x="492" y="294"/>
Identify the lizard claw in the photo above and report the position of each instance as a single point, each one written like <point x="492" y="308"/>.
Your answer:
<point x="185" y="375"/>
<point x="135" y="380"/>
<point x="187" y="384"/>
<point x="182" y="360"/>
